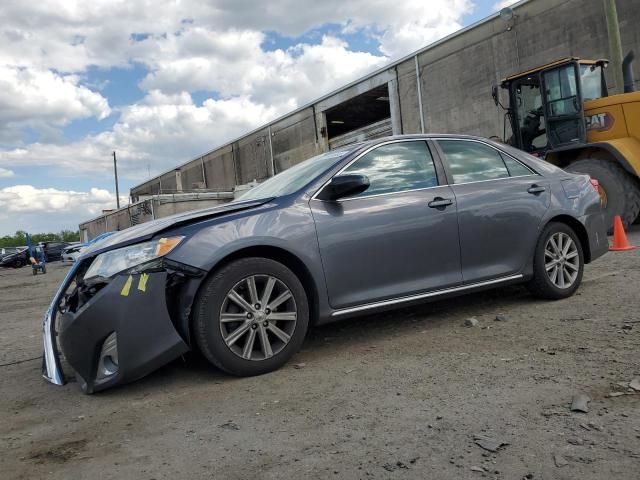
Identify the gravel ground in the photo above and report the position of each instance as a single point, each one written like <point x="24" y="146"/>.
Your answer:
<point x="404" y="395"/>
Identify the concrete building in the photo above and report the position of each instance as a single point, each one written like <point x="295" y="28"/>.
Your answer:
<point x="444" y="87"/>
<point x="147" y="209"/>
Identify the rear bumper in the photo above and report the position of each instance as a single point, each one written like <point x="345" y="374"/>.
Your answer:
<point x="134" y="308"/>
<point x="597" y="232"/>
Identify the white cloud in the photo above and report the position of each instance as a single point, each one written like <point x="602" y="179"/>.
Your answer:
<point x="159" y="131"/>
<point x="186" y="46"/>
<point x="69" y="35"/>
<point x="29" y="199"/>
<point x="42" y="99"/>
<point x="234" y="63"/>
<point x="504" y="3"/>
<point x="5" y="173"/>
<point x="25" y="207"/>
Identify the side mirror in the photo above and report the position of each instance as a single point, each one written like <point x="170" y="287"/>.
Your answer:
<point x="343" y="186"/>
<point x="494" y="94"/>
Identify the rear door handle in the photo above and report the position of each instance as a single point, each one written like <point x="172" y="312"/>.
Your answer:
<point x="535" y="189"/>
<point x="440" y="202"/>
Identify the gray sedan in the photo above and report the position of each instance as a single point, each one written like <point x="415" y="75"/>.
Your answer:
<point x="372" y="226"/>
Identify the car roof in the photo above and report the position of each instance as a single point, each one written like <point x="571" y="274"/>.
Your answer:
<point x="420" y="136"/>
<point x="425" y="136"/>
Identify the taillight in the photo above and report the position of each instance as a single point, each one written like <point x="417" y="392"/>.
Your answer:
<point x="595" y="184"/>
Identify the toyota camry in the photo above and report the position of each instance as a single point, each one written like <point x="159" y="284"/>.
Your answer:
<point x="371" y="226"/>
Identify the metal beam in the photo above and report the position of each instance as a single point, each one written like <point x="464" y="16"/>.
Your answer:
<point x="615" y="44"/>
<point x="273" y="164"/>
<point x="419" y="86"/>
<point x="115" y="172"/>
<point x="204" y="174"/>
<point x="394" y="106"/>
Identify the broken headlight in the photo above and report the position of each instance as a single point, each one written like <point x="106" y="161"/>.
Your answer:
<point x="112" y="262"/>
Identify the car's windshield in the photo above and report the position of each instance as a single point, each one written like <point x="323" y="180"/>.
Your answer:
<point x="297" y="176"/>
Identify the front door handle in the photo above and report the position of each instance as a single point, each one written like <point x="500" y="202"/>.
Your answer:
<point x="440" y="202"/>
<point x="535" y="189"/>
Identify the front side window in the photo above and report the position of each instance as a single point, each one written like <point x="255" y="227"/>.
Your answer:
<point x="472" y="161"/>
<point x="396" y="167"/>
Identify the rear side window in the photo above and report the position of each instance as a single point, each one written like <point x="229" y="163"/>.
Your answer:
<point x="516" y="169"/>
<point x="470" y="161"/>
<point x="396" y="167"/>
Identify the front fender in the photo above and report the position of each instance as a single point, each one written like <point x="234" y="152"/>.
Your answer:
<point x="288" y="227"/>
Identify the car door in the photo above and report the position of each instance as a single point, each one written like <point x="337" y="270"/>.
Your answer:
<point x="564" y="110"/>
<point x="500" y="202"/>
<point x="52" y="251"/>
<point x="397" y="238"/>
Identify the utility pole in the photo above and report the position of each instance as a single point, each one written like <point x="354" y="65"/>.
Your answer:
<point x="115" y="171"/>
<point x="615" y="44"/>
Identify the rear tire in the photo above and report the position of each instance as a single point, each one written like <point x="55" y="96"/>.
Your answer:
<point x="622" y="190"/>
<point x="17" y="264"/>
<point x="243" y="339"/>
<point x="558" y="263"/>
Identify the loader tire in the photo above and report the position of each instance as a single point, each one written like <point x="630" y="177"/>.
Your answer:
<point x="620" y="191"/>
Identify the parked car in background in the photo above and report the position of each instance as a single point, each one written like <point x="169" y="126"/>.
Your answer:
<point x="18" y="258"/>
<point x="371" y="226"/>
<point x="71" y="252"/>
<point x="53" y="250"/>
<point x="74" y="250"/>
<point x="8" y="251"/>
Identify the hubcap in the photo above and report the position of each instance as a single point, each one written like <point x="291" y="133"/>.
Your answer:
<point x="259" y="306"/>
<point x="562" y="261"/>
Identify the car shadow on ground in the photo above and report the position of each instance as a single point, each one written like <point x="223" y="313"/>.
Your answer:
<point x="356" y="332"/>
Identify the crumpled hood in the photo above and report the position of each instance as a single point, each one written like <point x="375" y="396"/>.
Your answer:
<point x="145" y="231"/>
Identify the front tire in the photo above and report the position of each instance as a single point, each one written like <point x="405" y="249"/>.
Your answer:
<point x="558" y="263"/>
<point x="251" y="316"/>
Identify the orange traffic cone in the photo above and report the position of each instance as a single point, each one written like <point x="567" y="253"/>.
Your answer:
<point x="620" y="242"/>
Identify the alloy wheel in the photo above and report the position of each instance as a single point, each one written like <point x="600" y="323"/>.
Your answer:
<point x="258" y="317"/>
<point x="562" y="261"/>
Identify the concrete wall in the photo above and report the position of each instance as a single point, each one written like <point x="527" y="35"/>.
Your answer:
<point x="294" y="139"/>
<point x="149" y="209"/>
<point x="629" y="18"/>
<point x="219" y="170"/>
<point x="252" y="157"/>
<point x="455" y="79"/>
<point x="456" y="75"/>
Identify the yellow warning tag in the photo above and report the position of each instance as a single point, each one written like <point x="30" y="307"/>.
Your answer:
<point x="142" y="284"/>
<point x="126" y="287"/>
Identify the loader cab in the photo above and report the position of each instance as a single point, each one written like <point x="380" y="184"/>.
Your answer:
<point x="546" y="109"/>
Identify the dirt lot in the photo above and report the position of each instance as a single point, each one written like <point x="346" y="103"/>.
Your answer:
<point x="400" y="395"/>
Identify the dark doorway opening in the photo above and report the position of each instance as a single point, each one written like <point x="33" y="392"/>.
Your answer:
<point x="348" y="122"/>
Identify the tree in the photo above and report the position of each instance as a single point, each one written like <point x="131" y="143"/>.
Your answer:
<point x="19" y="239"/>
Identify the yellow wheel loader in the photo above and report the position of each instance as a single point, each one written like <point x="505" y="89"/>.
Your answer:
<point x="562" y="113"/>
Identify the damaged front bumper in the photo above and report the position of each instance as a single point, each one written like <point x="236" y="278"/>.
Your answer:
<point x="120" y="332"/>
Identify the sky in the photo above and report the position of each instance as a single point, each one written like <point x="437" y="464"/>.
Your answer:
<point x="161" y="81"/>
